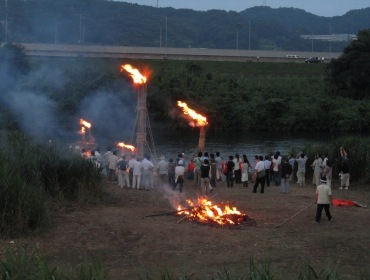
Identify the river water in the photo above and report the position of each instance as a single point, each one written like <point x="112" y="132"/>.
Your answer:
<point x="230" y="143"/>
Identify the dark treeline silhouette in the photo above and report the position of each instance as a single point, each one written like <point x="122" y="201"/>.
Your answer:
<point x="120" y="23"/>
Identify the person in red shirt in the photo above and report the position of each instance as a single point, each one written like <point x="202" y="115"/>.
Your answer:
<point x="191" y="167"/>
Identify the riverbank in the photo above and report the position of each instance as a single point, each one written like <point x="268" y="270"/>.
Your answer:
<point x="131" y="245"/>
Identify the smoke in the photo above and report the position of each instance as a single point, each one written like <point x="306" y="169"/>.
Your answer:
<point x="31" y="103"/>
<point x="112" y="116"/>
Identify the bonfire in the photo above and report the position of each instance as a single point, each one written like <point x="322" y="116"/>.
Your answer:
<point x="204" y="211"/>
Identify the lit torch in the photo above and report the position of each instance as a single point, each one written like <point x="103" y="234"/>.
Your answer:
<point x="124" y="146"/>
<point x="141" y="125"/>
<point x="87" y="125"/>
<point x="198" y="119"/>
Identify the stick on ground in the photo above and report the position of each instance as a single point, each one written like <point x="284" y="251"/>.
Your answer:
<point x="295" y="215"/>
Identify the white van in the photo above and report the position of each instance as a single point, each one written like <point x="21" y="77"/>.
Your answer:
<point x="292" y="56"/>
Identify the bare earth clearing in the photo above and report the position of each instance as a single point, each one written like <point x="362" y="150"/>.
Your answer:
<point x="131" y="245"/>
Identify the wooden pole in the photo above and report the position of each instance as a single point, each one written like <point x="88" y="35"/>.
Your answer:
<point x="295" y="215"/>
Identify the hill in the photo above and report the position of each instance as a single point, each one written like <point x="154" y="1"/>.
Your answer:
<point x="120" y="23"/>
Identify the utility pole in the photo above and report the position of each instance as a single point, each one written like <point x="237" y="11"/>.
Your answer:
<point x="166" y="32"/>
<point x="160" y="33"/>
<point x="330" y="37"/>
<point x="6" y="21"/>
<point x="237" y="36"/>
<point x="249" y="35"/>
<point x="312" y="42"/>
<point x="157" y="3"/>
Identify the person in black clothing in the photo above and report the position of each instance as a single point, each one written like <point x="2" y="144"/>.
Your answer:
<point x="230" y="165"/>
<point x="204" y="177"/>
<point x="286" y="171"/>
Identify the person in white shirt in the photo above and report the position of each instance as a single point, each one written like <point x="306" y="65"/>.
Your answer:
<point x="323" y="199"/>
<point x="148" y="167"/>
<point x="136" y="173"/>
<point x="260" y="174"/>
<point x="179" y="175"/>
<point x="112" y="165"/>
<point x="162" y="170"/>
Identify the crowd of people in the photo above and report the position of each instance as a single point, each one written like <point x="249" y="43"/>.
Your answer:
<point x="205" y="170"/>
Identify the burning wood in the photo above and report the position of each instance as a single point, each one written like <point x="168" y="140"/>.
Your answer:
<point x="204" y="211"/>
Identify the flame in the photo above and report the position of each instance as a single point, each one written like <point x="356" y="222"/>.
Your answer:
<point x="201" y="120"/>
<point x="85" y="123"/>
<point x="123" y="145"/>
<point x="206" y="212"/>
<point x="135" y="74"/>
<point x="82" y="131"/>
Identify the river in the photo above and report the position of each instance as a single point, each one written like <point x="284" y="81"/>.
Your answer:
<point x="230" y="143"/>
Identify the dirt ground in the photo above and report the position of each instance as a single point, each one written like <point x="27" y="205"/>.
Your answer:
<point x="133" y="246"/>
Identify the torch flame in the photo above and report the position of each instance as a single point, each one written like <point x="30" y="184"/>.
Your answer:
<point x="207" y="212"/>
<point x="201" y="120"/>
<point x="123" y="145"/>
<point x="85" y="123"/>
<point x="135" y="74"/>
<point x="82" y="131"/>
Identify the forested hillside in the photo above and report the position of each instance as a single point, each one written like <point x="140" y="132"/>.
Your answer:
<point x="121" y="23"/>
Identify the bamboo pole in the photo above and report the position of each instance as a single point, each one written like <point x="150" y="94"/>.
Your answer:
<point x="295" y="214"/>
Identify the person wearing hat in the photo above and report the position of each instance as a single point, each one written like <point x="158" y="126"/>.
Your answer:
<point x="179" y="175"/>
<point x="323" y="199"/>
<point x="162" y="170"/>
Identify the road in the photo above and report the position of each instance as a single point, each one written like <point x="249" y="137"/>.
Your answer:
<point x="168" y="53"/>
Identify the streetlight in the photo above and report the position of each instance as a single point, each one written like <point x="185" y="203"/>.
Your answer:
<point x="160" y="33"/>
<point x="166" y="32"/>
<point x="237" y="35"/>
<point x="330" y="37"/>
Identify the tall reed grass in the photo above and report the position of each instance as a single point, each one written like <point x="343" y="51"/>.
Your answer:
<point x="35" y="177"/>
<point x="23" y="264"/>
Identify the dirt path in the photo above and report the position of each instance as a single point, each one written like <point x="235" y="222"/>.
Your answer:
<point x="132" y="245"/>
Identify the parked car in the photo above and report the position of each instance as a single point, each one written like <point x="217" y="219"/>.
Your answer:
<point x="314" y="59"/>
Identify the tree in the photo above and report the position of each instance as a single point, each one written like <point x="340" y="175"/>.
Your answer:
<point x="348" y="76"/>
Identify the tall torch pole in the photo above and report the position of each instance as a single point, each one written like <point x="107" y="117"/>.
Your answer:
<point x="202" y="138"/>
<point x="141" y="121"/>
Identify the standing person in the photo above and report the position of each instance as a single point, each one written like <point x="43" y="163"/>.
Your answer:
<point x="292" y="163"/>
<point x="171" y="173"/>
<point x="268" y="164"/>
<point x="191" y="168"/>
<point x="112" y="164"/>
<point x="276" y="168"/>
<point x="123" y="178"/>
<point x="327" y="172"/>
<point x="131" y="164"/>
<point x="245" y="171"/>
<point x="198" y="163"/>
<point x="286" y="171"/>
<point x="313" y="168"/>
<point x="106" y="160"/>
<point x="162" y="170"/>
<point x="344" y="170"/>
<point x="317" y="170"/>
<point x="237" y="171"/>
<point x="148" y="167"/>
<point x="204" y="177"/>
<point x="179" y="175"/>
<point x="323" y="199"/>
<point x="301" y="172"/>
<point x="136" y="174"/>
<point x="230" y="172"/>
<point x="213" y="172"/>
<point x="219" y="166"/>
<point x="260" y="174"/>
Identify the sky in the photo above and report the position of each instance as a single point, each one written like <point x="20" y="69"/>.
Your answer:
<point x="327" y="8"/>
